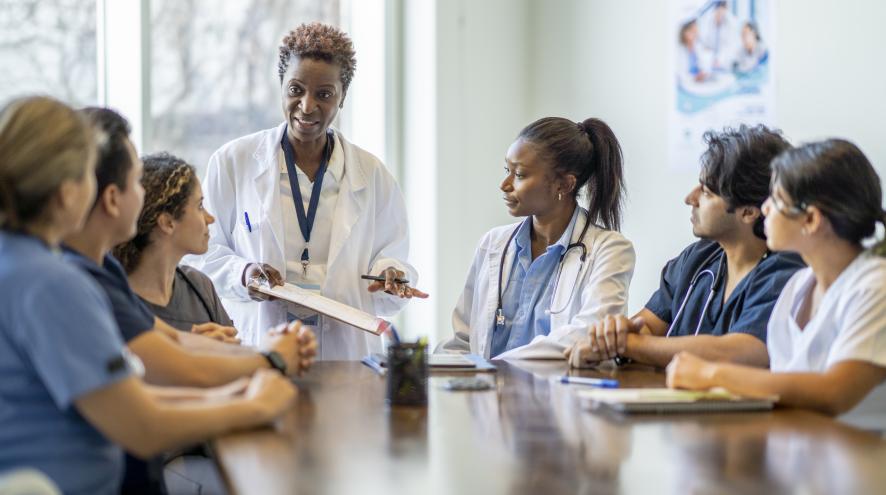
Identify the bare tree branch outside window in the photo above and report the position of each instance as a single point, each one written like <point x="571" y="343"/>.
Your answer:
<point x="48" y="47"/>
<point x="214" y="69"/>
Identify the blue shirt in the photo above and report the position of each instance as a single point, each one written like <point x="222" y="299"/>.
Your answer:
<point x="132" y="315"/>
<point x="58" y="342"/>
<point x="748" y="307"/>
<point x="529" y="290"/>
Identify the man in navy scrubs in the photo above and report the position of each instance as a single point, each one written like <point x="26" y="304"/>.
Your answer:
<point x="715" y="298"/>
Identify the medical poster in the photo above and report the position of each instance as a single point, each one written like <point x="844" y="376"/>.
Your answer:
<point x="721" y="71"/>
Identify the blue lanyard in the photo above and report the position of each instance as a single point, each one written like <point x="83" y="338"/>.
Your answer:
<point x="305" y="221"/>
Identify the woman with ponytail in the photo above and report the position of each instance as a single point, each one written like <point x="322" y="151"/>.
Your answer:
<point x="827" y="332"/>
<point x="536" y="285"/>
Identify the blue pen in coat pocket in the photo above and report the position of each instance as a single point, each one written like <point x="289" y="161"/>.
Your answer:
<point x="246" y="217"/>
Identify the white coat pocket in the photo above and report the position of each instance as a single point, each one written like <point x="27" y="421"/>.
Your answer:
<point x="246" y="235"/>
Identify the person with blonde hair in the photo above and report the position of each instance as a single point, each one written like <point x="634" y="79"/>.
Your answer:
<point x="70" y="393"/>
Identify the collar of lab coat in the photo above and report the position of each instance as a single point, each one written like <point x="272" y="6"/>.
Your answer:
<point x="336" y="165"/>
<point x="579" y="219"/>
<point x="268" y="151"/>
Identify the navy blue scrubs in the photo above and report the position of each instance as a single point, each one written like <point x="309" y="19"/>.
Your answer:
<point x="748" y="307"/>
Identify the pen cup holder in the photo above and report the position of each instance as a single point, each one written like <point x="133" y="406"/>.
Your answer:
<point x="408" y="374"/>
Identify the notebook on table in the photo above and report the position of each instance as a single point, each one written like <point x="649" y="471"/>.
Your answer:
<point x="665" y="401"/>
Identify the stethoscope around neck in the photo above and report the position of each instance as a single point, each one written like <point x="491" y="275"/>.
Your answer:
<point x="579" y="244"/>
<point x="716" y="280"/>
<point x="701" y="272"/>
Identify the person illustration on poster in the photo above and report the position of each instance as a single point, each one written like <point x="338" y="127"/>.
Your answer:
<point x="719" y="33"/>
<point x="753" y="52"/>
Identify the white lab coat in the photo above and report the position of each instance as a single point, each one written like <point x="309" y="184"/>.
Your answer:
<point x="369" y="234"/>
<point x="602" y="289"/>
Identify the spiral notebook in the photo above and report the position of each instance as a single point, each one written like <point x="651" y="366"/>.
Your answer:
<point x="666" y="400"/>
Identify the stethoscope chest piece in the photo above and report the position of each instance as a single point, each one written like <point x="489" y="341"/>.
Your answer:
<point x="580" y="245"/>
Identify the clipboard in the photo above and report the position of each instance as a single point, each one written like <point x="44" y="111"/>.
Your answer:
<point x="325" y="306"/>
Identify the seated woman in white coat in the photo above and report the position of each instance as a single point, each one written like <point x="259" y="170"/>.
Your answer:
<point x="300" y="204"/>
<point x="535" y="286"/>
<point x="827" y="332"/>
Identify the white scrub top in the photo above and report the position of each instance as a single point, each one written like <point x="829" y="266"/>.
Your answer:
<point x="850" y="324"/>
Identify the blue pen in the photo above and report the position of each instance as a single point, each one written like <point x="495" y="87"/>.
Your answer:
<point x="248" y="225"/>
<point x="594" y="382"/>
<point x="395" y="335"/>
<point x="368" y="361"/>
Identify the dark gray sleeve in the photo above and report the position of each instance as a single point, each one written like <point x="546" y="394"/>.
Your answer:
<point x="207" y="290"/>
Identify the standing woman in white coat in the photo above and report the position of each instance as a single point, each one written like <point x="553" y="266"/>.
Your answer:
<point x="536" y="285"/>
<point x="298" y="203"/>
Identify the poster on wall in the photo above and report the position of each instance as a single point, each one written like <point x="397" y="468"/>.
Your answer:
<point x="721" y="71"/>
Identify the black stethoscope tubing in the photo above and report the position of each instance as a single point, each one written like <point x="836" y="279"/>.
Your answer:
<point x="717" y="279"/>
<point x="499" y="313"/>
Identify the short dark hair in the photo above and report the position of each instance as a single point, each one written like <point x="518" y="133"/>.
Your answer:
<point x="114" y="161"/>
<point x="321" y="42"/>
<point x="835" y="176"/>
<point x="590" y="151"/>
<point x="736" y="165"/>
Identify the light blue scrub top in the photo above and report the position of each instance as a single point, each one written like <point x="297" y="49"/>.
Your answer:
<point x="58" y="342"/>
<point x="529" y="290"/>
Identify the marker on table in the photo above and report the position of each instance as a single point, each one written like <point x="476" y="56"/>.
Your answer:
<point x="593" y="382"/>
<point x="382" y="279"/>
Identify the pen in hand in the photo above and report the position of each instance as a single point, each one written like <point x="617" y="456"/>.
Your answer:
<point x="377" y="278"/>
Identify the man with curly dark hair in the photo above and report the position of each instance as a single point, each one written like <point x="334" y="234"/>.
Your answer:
<point x="715" y="298"/>
<point x="299" y="204"/>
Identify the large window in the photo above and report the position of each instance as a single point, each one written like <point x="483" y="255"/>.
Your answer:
<point x="189" y="75"/>
<point x="48" y="47"/>
<point x="214" y="69"/>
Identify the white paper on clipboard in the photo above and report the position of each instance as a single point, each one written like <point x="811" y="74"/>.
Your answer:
<point x="325" y="306"/>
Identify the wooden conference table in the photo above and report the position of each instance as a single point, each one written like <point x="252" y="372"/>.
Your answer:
<point x="530" y="435"/>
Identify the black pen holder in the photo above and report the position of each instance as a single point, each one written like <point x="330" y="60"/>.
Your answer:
<point x="408" y="374"/>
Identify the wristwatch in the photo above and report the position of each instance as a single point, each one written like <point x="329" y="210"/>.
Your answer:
<point x="622" y="360"/>
<point x="276" y="361"/>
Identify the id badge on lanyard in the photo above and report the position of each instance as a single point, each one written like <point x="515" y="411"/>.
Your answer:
<point x="305" y="219"/>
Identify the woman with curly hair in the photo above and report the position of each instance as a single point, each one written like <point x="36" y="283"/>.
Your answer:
<point x="300" y="204"/>
<point x="172" y="224"/>
<point x="73" y="395"/>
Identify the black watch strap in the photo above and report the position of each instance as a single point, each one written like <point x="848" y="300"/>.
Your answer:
<point x="276" y="361"/>
<point x="622" y="361"/>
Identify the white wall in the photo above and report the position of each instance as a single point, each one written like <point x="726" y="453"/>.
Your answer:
<point x="474" y="54"/>
<point x="606" y="58"/>
<point x="496" y="65"/>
